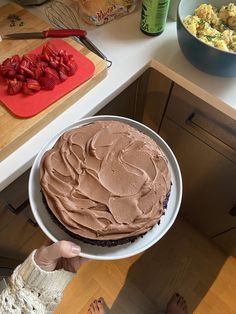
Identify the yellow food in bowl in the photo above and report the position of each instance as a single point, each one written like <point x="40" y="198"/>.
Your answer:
<point x="214" y="27"/>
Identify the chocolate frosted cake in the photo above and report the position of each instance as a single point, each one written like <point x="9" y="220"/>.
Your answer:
<point x="105" y="183"/>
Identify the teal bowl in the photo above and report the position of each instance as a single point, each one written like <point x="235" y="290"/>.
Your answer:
<point x="204" y="57"/>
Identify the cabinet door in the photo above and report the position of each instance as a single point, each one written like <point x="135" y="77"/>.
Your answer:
<point x="209" y="190"/>
<point x="227" y="241"/>
<point x="14" y="236"/>
<point x="130" y="102"/>
<point x="158" y="91"/>
<point x="12" y="199"/>
<point x="203" y="121"/>
<point x="19" y="234"/>
<point x="6" y="216"/>
<point x="123" y="104"/>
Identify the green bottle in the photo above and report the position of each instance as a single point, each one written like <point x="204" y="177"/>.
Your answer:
<point x="153" y="16"/>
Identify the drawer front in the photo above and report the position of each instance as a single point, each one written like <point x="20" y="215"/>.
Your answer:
<point x="15" y="234"/>
<point x="209" y="178"/>
<point x="6" y="216"/>
<point x="13" y="200"/>
<point x="19" y="233"/>
<point x="157" y="94"/>
<point x="227" y="241"/>
<point x="123" y="104"/>
<point x="17" y="192"/>
<point x="203" y="121"/>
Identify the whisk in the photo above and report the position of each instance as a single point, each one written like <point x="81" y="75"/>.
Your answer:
<point x="61" y="15"/>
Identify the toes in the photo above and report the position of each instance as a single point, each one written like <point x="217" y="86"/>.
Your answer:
<point x="101" y="306"/>
<point x="185" y="309"/>
<point x="97" y="307"/>
<point x="93" y="308"/>
<point x="101" y="301"/>
<point x="174" y="298"/>
<point x="177" y="305"/>
<point x="95" y="304"/>
<point x="180" y="300"/>
<point x="182" y="304"/>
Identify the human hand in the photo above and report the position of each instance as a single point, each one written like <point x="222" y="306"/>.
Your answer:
<point x="62" y="254"/>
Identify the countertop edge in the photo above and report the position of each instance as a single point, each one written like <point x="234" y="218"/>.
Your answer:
<point x="194" y="89"/>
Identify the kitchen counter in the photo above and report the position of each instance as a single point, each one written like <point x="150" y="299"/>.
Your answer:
<point x="132" y="53"/>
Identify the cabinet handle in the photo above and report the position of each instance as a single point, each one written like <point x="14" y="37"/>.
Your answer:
<point x="19" y="209"/>
<point x="232" y="211"/>
<point x="199" y="123"/>
<point x="32" y="222"/>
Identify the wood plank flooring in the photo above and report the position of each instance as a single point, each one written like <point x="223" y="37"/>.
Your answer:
<point x="183" y="260"/>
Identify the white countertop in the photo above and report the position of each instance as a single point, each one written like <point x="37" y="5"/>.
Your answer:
<point x="131" y="53"/>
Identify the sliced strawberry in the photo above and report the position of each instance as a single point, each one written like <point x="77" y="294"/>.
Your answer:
<point x="11" y="73"/>
<point x="73" y="68"/>
<point x="15" y="60"/>
<point x="14" y="87"/>
<point x="42" y="64"/>
<point x="64" y="56"/>
<point x="65" y="66"/>
<point x="33" y="84"/>
<point x="47" y="83"/>
<point x="49" y="50"/>
<point x="53" y="64"/>
<point x="24" y="69"/>
<point x="62" y="75"/>
<point x="26" y="90"/>
<point x="8" y="71"/>
<point x="31" y="58"/>
<point x="30" y="87"/>
<point x="20" y="77"/>
<point x="51" y="73"/>
<point x="44" y="58"/>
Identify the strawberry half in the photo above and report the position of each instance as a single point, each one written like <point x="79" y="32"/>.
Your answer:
<point x="31" y="86"/>
<point x="14" y="87"/>
<point x="47" y="83"/>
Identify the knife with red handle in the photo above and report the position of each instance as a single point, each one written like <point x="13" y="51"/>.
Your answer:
<point x="48" y="33"/>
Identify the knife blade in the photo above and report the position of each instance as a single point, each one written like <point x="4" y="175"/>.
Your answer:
<point x="47" y="33"/>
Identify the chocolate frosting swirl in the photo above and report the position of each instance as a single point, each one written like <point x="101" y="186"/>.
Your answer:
<point x="105" y="180"/>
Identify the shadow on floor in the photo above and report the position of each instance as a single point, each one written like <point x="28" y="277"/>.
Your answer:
<point x="182" y="261"/>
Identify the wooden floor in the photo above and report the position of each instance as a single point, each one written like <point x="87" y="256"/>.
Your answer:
<point x="182" y="261"/>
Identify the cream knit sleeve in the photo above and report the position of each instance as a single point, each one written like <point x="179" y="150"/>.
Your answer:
<point x="32" y="290"/>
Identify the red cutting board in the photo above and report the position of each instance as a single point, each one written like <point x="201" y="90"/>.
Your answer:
<point x="25" y="106"/>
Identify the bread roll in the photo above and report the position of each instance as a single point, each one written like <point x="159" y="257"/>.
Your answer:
<point x="102" y="11"/>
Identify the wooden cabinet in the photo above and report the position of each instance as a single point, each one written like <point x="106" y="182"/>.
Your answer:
<point x="19" y="234"/>
<point x="203" y="141"/>
<point x="11" y="198"/>
<point x="130" y="102"/>
<point x="208" y="180"/>
<point x="227" y="240"/>
<point x="201" y="137"/>
<point x="157" y="93"/>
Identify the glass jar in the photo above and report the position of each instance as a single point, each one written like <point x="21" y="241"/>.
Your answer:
<point x="98" y="12"/>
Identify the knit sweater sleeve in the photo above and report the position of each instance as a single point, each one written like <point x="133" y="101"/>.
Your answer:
<point x="32" y="290"/>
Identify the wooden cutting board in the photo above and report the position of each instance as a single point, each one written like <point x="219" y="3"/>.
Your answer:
<point x="15" y="131"/>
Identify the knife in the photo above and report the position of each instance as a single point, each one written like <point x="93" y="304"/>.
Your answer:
<point x="48" y="33"/>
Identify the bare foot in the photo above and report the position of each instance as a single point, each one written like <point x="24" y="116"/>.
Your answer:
<point x="97" y="307"/>
<point x="177" y="305"/>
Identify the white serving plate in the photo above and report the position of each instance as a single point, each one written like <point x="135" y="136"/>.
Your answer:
<point x="55" y="233"/>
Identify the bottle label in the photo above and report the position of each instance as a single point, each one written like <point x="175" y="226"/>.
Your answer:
<point x="153" y="16"/>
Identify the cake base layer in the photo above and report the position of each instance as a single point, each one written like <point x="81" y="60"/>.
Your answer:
<point x="103" y="243"/>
